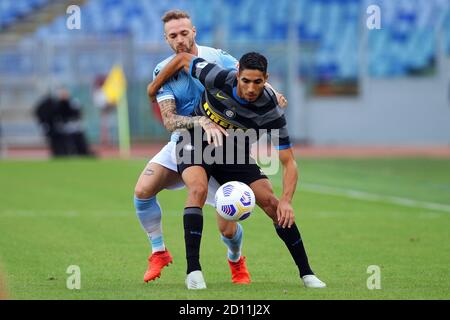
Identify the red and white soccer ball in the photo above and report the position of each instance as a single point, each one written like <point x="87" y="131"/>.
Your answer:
<point x="235" y="201"/>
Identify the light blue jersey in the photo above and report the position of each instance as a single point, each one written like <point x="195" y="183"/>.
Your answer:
<point x="184" y="89"/>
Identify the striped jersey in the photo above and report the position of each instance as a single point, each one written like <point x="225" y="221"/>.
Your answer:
<point x="221" y="104"/>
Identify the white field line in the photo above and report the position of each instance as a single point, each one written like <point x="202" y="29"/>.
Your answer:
<point x="365" y="196"/>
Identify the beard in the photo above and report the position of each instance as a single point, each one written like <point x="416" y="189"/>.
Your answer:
<point x="185" y="48"/>
<point x="182" y="49"/>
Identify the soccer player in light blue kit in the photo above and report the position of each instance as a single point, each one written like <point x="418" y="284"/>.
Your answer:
<point x="177" y="99"/>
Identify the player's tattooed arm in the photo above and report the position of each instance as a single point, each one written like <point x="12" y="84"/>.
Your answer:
<point x="172" y="121"/>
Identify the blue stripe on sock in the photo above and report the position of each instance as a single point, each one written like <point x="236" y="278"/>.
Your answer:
<point x="157" y="242"/>
<point x="144" y="204"/>
<point x="234" y="256"/>
<point x="234" y="244"/>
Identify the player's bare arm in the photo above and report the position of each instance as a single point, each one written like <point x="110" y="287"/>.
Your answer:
<point x="285" y="212"/>
<point x="181" y="60"/>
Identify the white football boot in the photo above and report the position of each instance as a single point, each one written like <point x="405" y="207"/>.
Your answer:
<point x="195" y="280"/>
<point x="311" y="281"/>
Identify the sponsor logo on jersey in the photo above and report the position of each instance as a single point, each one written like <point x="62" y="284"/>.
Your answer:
<point x="201" y="65"/>
<point x="218" y="95"/>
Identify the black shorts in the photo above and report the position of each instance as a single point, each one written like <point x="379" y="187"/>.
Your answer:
<point x="190" y="154"/>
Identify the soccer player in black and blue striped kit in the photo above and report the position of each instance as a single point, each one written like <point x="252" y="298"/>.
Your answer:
<point x="235" y="100"/>
<point x="176" y="100"/>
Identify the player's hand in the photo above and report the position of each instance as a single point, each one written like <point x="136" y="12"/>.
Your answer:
<point x="285" y="214"/>
<point x="214" y="132"/>
<point x="282" y="101"/>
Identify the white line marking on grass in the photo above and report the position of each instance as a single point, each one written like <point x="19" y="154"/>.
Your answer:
<point x="365" y="196"/>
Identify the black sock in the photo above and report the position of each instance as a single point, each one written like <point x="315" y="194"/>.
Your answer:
<point x="292" y="239"/>
<point x="193" y="226"/>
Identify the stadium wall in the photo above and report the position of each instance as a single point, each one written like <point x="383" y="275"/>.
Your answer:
<point x="408" y="111"/>
<point x="388" y="111"/>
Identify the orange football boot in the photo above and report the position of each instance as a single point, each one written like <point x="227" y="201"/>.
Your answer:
<point x="156" y="262"/>
<point x="239" y="272"/>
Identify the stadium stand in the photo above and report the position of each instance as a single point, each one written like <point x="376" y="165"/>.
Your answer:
<point x="407" y="27"/>
<point x="13" y="10"/>
<point x="407" y="44"/>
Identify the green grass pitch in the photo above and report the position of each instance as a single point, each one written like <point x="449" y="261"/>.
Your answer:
<point x="392" y="213"/>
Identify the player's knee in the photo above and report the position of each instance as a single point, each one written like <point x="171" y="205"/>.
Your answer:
<point x="141" y="192"/>
<point x="228" y="229"/>
<point x="198" y="192"/>
<point x="228" y="233"/>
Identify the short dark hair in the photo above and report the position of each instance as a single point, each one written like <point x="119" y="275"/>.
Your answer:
<point x="175" y="15"/>
<point x="253" y="61"/>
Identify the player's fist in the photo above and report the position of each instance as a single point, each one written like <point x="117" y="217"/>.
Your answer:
<point x="282" y="101"/>
<point x="214" y="132"/>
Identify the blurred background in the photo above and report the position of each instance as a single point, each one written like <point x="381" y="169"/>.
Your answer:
<point x="369" y="110"/>
<point x="347" y="85"/>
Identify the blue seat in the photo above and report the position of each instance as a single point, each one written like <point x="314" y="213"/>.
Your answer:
<point x="11" y="11"/>
<point x="333" y="26"/>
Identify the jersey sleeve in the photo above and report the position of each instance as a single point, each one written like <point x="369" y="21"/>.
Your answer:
<point x="227" y="60"/>
<point x="165" y="92"/>
<point x="279" y="134"/>
<point x="210" y="75"/>
<point x="277" y="125"/>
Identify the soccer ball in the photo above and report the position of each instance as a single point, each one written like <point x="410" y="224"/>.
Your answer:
<point x="234" y="201"/>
